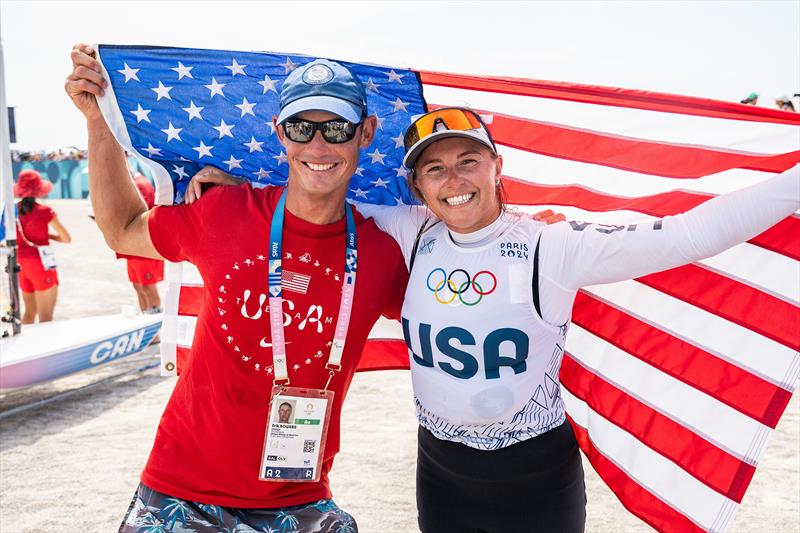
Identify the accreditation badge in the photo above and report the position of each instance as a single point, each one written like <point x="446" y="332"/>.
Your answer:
<point x="297" y="427"/>
<point x="47" y="256"/>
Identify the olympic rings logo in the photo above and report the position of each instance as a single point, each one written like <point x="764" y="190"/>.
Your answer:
<point x="459" y="284"/>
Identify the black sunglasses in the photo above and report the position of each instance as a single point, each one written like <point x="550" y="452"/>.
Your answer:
<point x="334" y="131"/>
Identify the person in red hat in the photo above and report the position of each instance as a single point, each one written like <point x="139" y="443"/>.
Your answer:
<point x="143" y="272"/>
<point x="38" y="279"/>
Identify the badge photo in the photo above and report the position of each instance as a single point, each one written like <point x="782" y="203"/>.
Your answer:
<point x="296" y="434"/>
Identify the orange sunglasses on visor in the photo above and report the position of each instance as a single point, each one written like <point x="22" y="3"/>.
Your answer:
<point x="451" y="118"/>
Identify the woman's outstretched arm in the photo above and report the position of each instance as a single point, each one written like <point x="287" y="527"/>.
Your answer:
<point x="574" y="255"/>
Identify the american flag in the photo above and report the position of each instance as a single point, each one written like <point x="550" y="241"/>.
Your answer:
<point x="293" y="281"/>
<point x="182" y="109"/>
<point x="673" y="381"/>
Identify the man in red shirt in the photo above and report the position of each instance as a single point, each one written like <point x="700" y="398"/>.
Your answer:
<point x="205" y="472"/>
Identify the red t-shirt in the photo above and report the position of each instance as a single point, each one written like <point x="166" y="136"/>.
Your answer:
<point x="35" y="226"/>
<point x="209" y="441"/>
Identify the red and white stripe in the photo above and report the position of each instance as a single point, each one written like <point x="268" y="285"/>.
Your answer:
<point x="183" y="298"/>
<point x="292" y="281"/>
<point x="674" y="381"/>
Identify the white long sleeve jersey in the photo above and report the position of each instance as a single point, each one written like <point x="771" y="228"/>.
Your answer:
<point x="484" y="363"/>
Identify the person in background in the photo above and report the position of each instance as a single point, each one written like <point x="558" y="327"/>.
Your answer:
<point x="784" y="103"/>
<point x="144" y="273"/>
<point x="752" y="99"/>
<point x="38" y="279"/>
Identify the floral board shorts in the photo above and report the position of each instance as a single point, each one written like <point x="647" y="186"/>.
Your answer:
<point x="154" y="512"/>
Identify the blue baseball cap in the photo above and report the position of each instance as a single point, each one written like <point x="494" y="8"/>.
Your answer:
<point x="323" y="85"/>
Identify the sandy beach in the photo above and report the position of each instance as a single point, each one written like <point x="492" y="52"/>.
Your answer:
<point x="72" y="465"/>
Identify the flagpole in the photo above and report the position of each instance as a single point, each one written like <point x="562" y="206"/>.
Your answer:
<point x="9" y="216"/>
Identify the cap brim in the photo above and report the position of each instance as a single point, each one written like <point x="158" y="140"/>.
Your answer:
<point x="342" y="108"/>
<point x="413" y="154"/>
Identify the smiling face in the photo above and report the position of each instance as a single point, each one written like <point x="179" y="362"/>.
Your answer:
<point x="318" y="169"/>
<point x="456" y="178"/>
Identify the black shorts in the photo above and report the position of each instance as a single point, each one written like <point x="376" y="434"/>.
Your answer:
<point x="536" y="485"/>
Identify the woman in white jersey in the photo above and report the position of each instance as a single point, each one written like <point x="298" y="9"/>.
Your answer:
<point x="485" y="318"/>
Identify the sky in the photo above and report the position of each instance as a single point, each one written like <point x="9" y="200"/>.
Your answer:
<point x="718" y="49"/>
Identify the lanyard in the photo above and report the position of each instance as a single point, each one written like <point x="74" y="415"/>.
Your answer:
<point x="334" y="363"/>
<point x="22" y="233"/>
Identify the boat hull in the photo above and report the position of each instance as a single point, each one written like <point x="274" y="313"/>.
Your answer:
<point x="48" y="351"/>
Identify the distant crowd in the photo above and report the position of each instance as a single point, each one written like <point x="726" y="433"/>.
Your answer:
<point x="783" y="103"/>
<point x="68" y="154"/>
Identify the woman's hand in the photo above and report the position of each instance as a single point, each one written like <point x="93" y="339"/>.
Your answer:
<point x="211" y="175"/>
